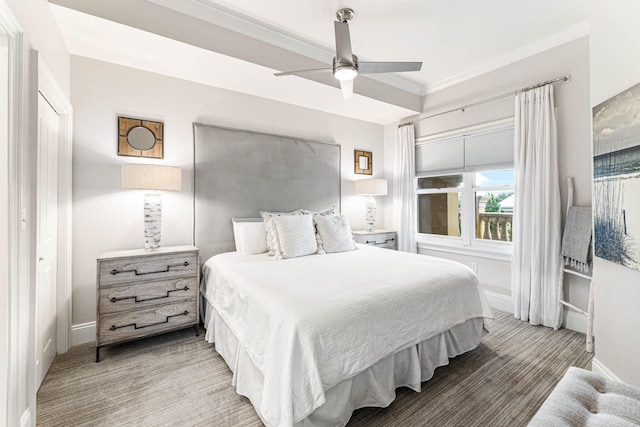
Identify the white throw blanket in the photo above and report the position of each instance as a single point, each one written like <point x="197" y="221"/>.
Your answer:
<point x="308" y="323"/>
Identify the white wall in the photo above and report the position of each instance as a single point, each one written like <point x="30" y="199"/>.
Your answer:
<point x="615" y="66"/>
<point x="107" y="218"/>
<point x="574" y="135"/>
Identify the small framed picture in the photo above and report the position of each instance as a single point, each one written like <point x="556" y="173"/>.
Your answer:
<point x="140" y="138"/>
<point x="363" y="162"/>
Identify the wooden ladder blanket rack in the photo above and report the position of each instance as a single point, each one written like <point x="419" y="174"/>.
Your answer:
<point x="589" y="312"/>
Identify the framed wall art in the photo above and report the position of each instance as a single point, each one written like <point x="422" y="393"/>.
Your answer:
<point x="616" y="175"/>
<point x="363" y="162"/>
<point x="140" y="138"/>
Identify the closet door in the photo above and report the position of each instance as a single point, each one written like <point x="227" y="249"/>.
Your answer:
<point x="47" y="237"/>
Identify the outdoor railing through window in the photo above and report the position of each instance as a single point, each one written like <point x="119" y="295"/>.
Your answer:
<point x="495" y="226"/>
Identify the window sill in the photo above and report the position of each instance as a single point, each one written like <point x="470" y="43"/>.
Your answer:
<point x="497" y="251"/>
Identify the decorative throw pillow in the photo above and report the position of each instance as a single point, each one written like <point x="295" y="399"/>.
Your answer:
<point x="323" y="212"/>
<point x="249" y="235"/>
<point x="335" y="233"/>
<point x="267" y="216"/>
<point x="294" y="236"/>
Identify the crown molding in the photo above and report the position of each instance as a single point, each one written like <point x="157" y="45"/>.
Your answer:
<point x="251" y="27"/>
<point x="234" y="21"/>
<point x="397" y="81"/>
<point x="571" y="33"/>
<point x="247" y="26"/>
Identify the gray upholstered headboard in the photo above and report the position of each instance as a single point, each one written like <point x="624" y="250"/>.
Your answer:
<point x="238" y="173"/>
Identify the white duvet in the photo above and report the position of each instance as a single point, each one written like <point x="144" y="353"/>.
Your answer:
<point x="308" y="323"/>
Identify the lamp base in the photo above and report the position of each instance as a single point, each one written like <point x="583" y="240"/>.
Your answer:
<point x="370" y="216"/>
<point x="152" y="221"/>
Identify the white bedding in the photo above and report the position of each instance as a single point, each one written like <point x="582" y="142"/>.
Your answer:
<point x="308" y="323"/>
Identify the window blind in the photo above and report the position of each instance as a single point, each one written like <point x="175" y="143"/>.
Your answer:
<point x="469" y="151"/>
<point x="489" y="149"/>
<point x="440" y="154"/>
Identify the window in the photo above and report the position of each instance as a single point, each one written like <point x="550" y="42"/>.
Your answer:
<point x="439" y="203"/>
<point x="465" y="186"/>
<point x="493" y="194"/>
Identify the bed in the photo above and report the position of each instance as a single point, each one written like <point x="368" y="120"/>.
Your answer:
<point x="311" y="338"/>
<point x="301" y="329"/>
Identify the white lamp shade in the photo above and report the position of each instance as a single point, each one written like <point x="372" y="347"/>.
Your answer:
<point x="371" y="187"/>
<point x="151" y="177"/>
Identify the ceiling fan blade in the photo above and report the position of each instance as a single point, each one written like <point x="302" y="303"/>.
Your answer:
<point x="299" y="72"/>
<point x="387" y="67"/>
<point x="347" y="89"/>
<point x="343" y="43"/>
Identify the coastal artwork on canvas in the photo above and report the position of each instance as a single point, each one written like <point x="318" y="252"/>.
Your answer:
<point x="616" y="173"/>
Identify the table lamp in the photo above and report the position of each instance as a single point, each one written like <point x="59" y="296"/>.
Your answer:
<point x="154" y="178"/>
<point x="371" y="188"/>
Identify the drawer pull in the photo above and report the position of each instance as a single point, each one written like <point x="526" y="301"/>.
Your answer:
<point x="373" y="242"/>
<point x="136" y="300"/>
<point x="135" y="270"/>
<point x="135" y="325"/>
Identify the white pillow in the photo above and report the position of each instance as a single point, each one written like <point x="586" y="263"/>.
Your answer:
<point x="267" y="216"/>
<point x="249" y="235"/>
<point x="323" y="212"/>
<point x="327" y="211"/>
<point x="335" y="234"/>
<point x="294" y="236"/>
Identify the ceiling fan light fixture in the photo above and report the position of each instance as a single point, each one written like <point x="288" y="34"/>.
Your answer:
<point x="345" y="72"/>
<point x="345" y="64"/>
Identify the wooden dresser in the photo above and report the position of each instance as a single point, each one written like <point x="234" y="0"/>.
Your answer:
<point x="142" y="293"/>
<point x="380" y="238"/>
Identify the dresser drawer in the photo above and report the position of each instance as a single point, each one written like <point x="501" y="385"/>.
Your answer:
<point x="388" y="245"/>
<point x="139" y="323"/>
<point x="144" y="268"/>
<point x="114" y="299"/>
<point x="378" y="239"/>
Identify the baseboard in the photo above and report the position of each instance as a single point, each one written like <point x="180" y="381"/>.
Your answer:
<point x="599" y="368"/>
<point x="26" y="419"/>
<point x="499" y="301"/>
<point x="575" y="321"/>
<point x="82" y="333"/>
<point x="571" y="320"/>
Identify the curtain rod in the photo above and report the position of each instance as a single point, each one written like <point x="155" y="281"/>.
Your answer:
<point x="562" y="79"/>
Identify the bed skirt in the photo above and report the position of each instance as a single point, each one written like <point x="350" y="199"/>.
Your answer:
<point x="374" y="387"/>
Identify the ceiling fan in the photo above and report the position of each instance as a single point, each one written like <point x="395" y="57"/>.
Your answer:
<point x="346" y="65"/>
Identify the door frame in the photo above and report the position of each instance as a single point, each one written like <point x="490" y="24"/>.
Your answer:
<point x="17" y="263"/>
<point x="53" y="93"/>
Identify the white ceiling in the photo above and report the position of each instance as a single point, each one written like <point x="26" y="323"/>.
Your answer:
<point x="456" y="40"/>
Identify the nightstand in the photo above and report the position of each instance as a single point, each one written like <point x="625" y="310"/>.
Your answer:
<point x="380" y="238"/>
<point x="142" y="293"/>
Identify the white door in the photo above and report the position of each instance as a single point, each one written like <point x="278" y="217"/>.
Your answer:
<point x="47" y="237"/>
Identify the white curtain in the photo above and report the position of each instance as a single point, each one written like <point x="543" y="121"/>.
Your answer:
<point x="404" y="196"/>
<point x="536" y="266"/>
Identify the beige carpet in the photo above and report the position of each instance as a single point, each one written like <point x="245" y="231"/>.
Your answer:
<point x="179" y="380"/>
